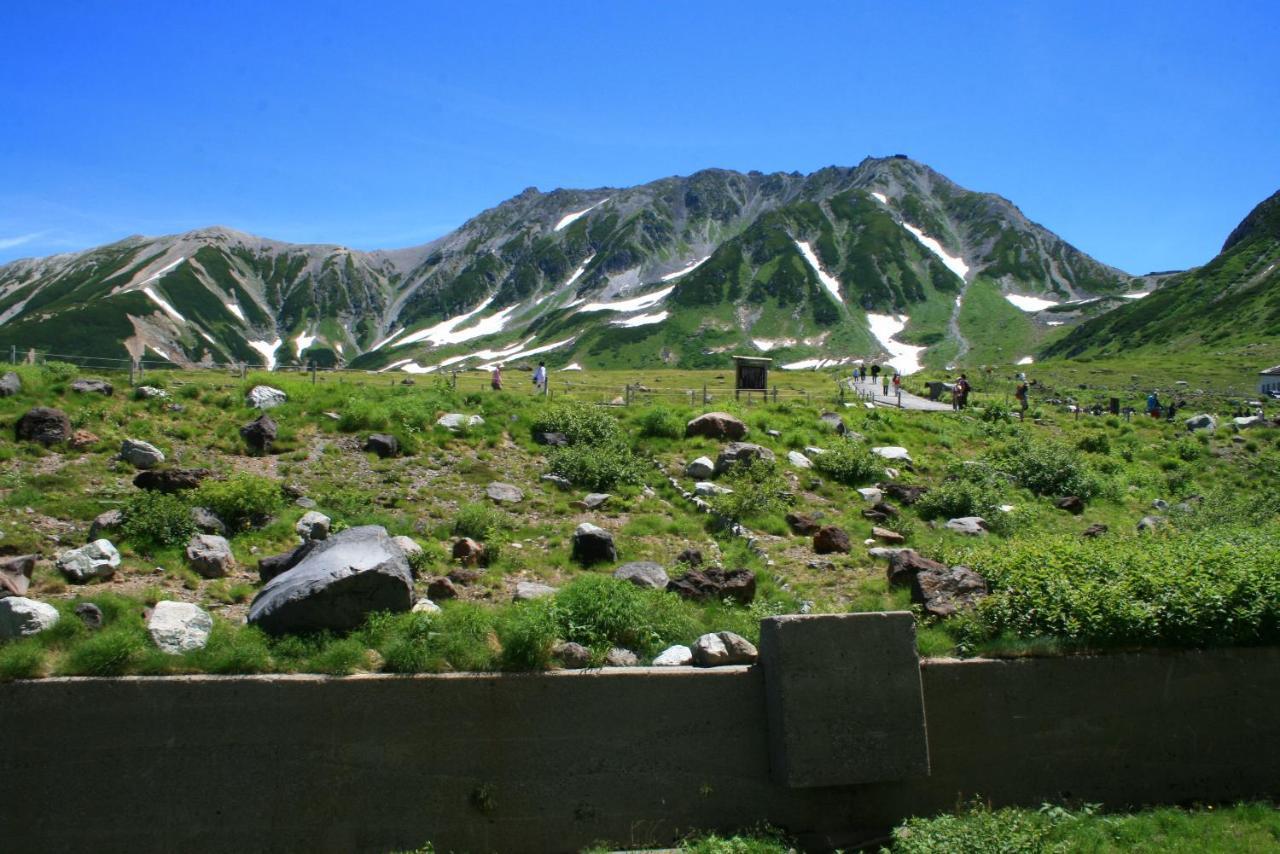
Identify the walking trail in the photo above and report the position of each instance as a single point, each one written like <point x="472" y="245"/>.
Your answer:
<point x="906" y="401"/>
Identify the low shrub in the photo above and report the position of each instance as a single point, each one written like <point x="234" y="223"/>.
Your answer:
<point x="243" y="500"/>
<point x="581" y="423"/>
<point x="758" y="491"/>
<point x="660" y="422"/>
<point x="850" y="463"/>
<point x="1096" y="443"/>
<point x="1045" y="468"/>
<point x="596" y="466"/>
<point x="155" y="519"/>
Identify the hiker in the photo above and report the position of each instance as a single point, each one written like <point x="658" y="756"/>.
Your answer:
<point x="1172" y="411"/>
<point x="862" y="373"/>
<point x="496" y="380"/>
<point x="540" y="377"/>
<point x="1020" y="394"/>
<point x="962" y="391"/>
<point x="886" y="383"/>
<point x="875" y="374"/>
<point x="1153" y="405"/>
<point x="897" y="383"/>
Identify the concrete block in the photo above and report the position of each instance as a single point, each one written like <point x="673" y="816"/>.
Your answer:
<point x="844" y="699"/>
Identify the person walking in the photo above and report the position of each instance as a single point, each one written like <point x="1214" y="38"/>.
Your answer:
<point x="962" y="389"/>
<point x="496" y="379"/>
<point x="862" y="373"/>
<point x="1020" y="394"/>
<point x="875" y="374"/>
<point x="897" y="383"/>
<point x="540" y="377"/>
<point x="1153" y="404"/>
<point x="886" y="383"/>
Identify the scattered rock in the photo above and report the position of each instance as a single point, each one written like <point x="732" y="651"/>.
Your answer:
<point x="619" y="657"/>
<point x="178" y="627"/>
<point x="1151" y="523"/>
<point x="722" y="648"/>
<point x="973" y="526"/>
<point x="885" y="551"/>
<point x="340" y="581"/>
<point x="702" y="584"/>
<point x="104" y="523"/>
<point x="1159" y="504"/>
<point x="690" y="557"/>
<point x="265" y="397"/>
<point x="91" y="615"/>
<point x="701" y="469"/>
<point x="643" y="573"/>
<point x="799" y="460"/>
<point x="470" y="553"/>
<point x="526" y="590"/>
<point x="594" y="500"/>
<point x="835" y="422"/>
<point x="260" y="433"/>
<point x="313" y="525"/>
<point x="98" y="559"/>
<point x="101" y="387"/>
<point x="944" y="592"/>
<point x="270" y="567"/>
<point x="210" y="555"/>
<point x="904" y="565"/>
<point x="592" y="544"/>
<point x="455" y="421"/>
<point x="1247" y="421"/>
<point x="442" y="589"/>
<point x="147" y="392"/>
<point x="44" y="425"/>
<point x="557" y="481"/>
<point x="207" y="522"/>
<point x="776" y="434"/>
<point x="409" y="546"/>
<point x="814" y="452"/>
<point x="1097" y="529"/>
<point x="893" y="452"/>
<point x="804" y="524"/>
<point x="551" y="439"/>
<point x="1203" y="421"/>
<point x="716" y="425"/>
<point x="465" y="577"/>
<point x="904" y="494"/>
<point x="871" y="494"/>
<point x="572" y="656"/>
<point x="504" y="493"/>
<point x="674" y="656"/>
<point x="383" y="444"/>
<point x="21" y="617"/>
<point x="15" y="574"/>
<point x="425" y="606"/>
<point x="706" y="488"/>
<point x="830" y="540"/>
<point x="81" y="439"/>
<point x="737" y="452"/>
<point x="139" y="454"/>
<point x="885" y="509"/>
<point x="170" y="480"/>
<point x="1073" y="504"/>
<point x="884" y="535"/>
<point x="10" y="384"/>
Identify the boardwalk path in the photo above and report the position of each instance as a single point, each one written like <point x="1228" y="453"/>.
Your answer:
<point x="908" y="400"/>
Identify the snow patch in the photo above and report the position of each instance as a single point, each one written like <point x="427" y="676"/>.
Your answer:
<point x="572" y="366"/>
<point x="569" y="219"/>
<point x="828" y="281"/>
<point x="524" y="354"/>
<point x="394" y="365"/>
<point x="952" y="262"/>
<point x="634" y="304"/>
<point x="166" y="268"/>
<point x="905" y="358"/>
<point x="642" y="319"/>
<point x="268" y="351"/>
<point x="303" y="341"/>
<point x="578" y="272"/>
<point x="1025" y="360"/>
<point x="1136" y="296"/>
<point x="235" y="309"/>
<point x="1030" y="303"/>
<point x="688" y="268"/>
<point x="168" y="309"/>
<point x="386" y="340"/>
<point x="767" y="344"/>
<point x="817" y="364"/>
<point x="447" y="331"/>
<point x="881" y="198"/>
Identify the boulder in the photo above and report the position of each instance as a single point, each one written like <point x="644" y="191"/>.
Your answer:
<point x="210" y="555"/>
<point x="425" y="606"/>
<point x="737" y="452"/>
<point x="972" y="526"/>
<point x="557" y="481"/>
<point x="470" y="553"/>
<point x="643" y="573"/>
<point x="10" y="384"/>
<point x="799" y="460"/>
<point x="619" y="657"/>
<point x="15" y="574"/>
<point x="454" y="421"/>
<point x="314" y="525"/>
<point x="147" y="392"/>
<point x="885" y="535"/>
<point x="674" y="656"/>
<point x="178" y="627"/>
<point x="701" y="469"/>
<point x="83" y="386"/>
<point x="903" y="493"/>
<point x="885" y="509"/>
<point x="526" y="590"/>
<point x="814" y="452"/>
<point x="170" y="480"/>
<point x="265" y="397"/>
<point x="442" y="589"/>
<point x="105" y="523"/>
<point x="207" y="522"/>
<point x="831" y="540"/>
<point x="944" y="592"/>
<point x="716" y="425"/>
<point x="706" y="488"/>
<point x="21" y="617"/>
<point x="804" y="524"/>
<point x="1097" y="529"/>
<point x="720" y="648"/>
<point x="98" y="559"/>
<point x="550" y="438"/>
<point x="259" y="433"/>
<point x="408" y="545"/>
<point x="139" y="454"/>
<point x="1073" y="504"/>
<point x="572" y="656"/>
<point x="270" y="567"/>
<point x="340" y="581"/>
<point x="835" y="422"/>
<point x="893" y="452"/>
<point x="1152" y="523"/>
<point x="91" y="615"/>
<point x="690" y="557"/>
<point x="904" y="565"/>
<point x="44" y="425"/>
<point x="871" y="494"/>
<point x="886" y="552"/>
<point x="1247" y="421"/>
<point x="504" y="493"/>
<point x="1203" y="421"/>
<point x="383" y="444"/>
<point x="592" y="544"/>
<point x="703" y="584"/>
<point x="594" y="500"/>
<point x="81" y="439"/>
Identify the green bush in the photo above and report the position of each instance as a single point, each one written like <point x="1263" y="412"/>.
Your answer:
<point x="978" y="830"/>
<point x="110" y="652"/>
<point x="1045" y="468"/>
<point x="242" y="500"/>
<point x="660" y="422"/>
<point x="956" y="497"/>
<point x="600" y="467"/>
<point x="758" y="491"/>
<point x="581" y="423"/>
<point x="850" y="463"/>
<point x="56" y="372"/>
<point x="1097" y="443"/>
<point x="155" y="519"/>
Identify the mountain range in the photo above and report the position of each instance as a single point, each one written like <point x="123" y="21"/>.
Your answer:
<point x="888" y="260"/>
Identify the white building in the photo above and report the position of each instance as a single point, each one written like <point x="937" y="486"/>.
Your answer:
<point x="1269" y="380"/>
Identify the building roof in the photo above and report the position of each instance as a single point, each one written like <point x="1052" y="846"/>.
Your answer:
<point x="1270" y="372"/>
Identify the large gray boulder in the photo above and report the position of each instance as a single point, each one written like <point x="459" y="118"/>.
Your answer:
<point x="973" y="526"/>
<point x="721" y="648"/>
<point x="340" y="582"/>
<point x="643" y="573"/>
<point x="458" y="421"/>
<point x="98" y="559"/>
<point x="265" y="397"/>
<point x="716" y="425"/>
<point x="674" y="656"/>
<point x="701" y="468"/>
<point x="1203" y="421"/>
<point x="593" y="544"/>
<point x="504" y="493"/>
<point x="140" y="454"/>
<point x="944" y="592"/>
<point x="20" y="617"/>
<point x="210" y="555"/>
<point x="178" y="627"/>
<point x="738" y="452"/>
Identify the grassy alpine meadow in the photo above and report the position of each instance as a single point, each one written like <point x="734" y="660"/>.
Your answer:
<point x="1207" y="573"/>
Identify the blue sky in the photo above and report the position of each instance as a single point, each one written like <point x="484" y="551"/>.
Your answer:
<point x="1140" y="132"/>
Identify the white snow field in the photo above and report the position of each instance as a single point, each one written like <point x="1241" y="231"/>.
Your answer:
<point x="572" y="366"/>
<point x="642" y="319"/>
<point x="880" y="197"/>
<point x="816" y="364"/>
<point x="447" y="331"/>
<point x="905" y="358"/>
<point x="569" y="219"/>
<point x="828" y="281"/>
<point x="634" y="304"/>
<point x="235" y="309"/>
<point x="303" y="341"/>
<point x="268" y="351"/>
<point x="685" y="270"/>
<point x="953" y="263"/>
<point x="767" y="344"/>
<point x="168" y="309"/>
<point x="1136" y="296"/>
<point x="578" y="272"/>
<point x="1031" y="304"/>
<point x="1026" y="360"/>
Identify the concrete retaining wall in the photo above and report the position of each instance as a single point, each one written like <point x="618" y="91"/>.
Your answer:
<point x="632" y="756"/>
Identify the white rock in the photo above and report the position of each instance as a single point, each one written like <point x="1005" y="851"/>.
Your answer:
<point x="178" y="627"/>
<point x="458" y="421"/>
<point x="210" y="555"/>
<point x="799" y="460"/>
<point x="871" y="494"/>
<point x="20" y="617"/>
<point x="425" y="606"/>
<point x="526" y="590"/>
<point x="1245" y="422"/>
<point x="674" y="656"/>
<point x="892" y="452"/>
<point x="701" y="468"/>
<point x="139" y="454"/>
<point x="265" y="397"/>
<point x="813" y="452"/>
<point x="98" y="559"/>
<point x="313" y="525"/>
<point x="408" y="545"/>
<point x="706" y="487"/>
<point x="719" y="648"/>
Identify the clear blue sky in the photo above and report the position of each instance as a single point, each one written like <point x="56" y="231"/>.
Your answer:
<point x="1142" y="132"/>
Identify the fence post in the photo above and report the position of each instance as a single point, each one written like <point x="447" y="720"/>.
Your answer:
<point x="243" y="370"/>
<point x="313" y="371"/>
<point x="132" y="366"/>
<point x="13" y="353"/>
<point x="626" y="400"/>
<point x="775" y="394"/>
<point x="704" y="394"/>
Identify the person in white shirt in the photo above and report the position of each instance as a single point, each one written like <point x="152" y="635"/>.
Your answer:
<point x="540" y="376"/>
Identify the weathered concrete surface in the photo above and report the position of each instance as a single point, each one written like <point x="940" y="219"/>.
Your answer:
<point x="635" y="756"/>
<point x="844" y="699"/>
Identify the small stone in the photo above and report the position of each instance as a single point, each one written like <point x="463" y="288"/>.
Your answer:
<point x="799" y="460"/>
<point x="595" y="500"/>
<point x="643" y="573"/>
<point x="815" y="452"/>
<point x="455" y="421"/>
<point x="98" y="559"/>
<point x="707" y="488"/>
<point x="944" y="592"/>
<point x="147" y="392"/>
<point x="833" y="422"/>
<point x="1073" y="504"/>
<point x="1151" y="523"/>
<point x="551" y="439"/>
<point x="674" y="656"/>
<point x="906" y="564"/>
<point x="441" y="589"/>
<point x="101" y="387"/>
<point x="15" y="574"/>
<point x="723" y="648"/>
<point x="1095" y="530"/>
<point x="740" y="452"/>
<point x="105" y="523"/>
<point x="886" y="552"/>
<point x="830" y="539"/>
<point x="82" y="439"/>
<point x="804" y="524"/>
<point x="572" y="656"/>
<point x="178" y="627"/>
<point x="425" y="606"/>
<point x="139" y="454"/>
<point x="619" y="657"/>
<point x="170" y="480"/>
<point x="700" y="469"/>
<point x="21" y="617"/>
<point x="903" y="493"/>
<point x="557" y="481"/>
<point x="265" y="397"/>
<point x="409" y="546"/>
<point x="716" y="425"/>
<point x="776" y="434"/>
<point x="690" y="557"/>
<point x="893" y="452"/>
<point x="871" y="494"/>
<point x="383" y="444"/>
<point x="504" y="493"/>
<point x="1204" y="421"/>
<point x="210" y="555"/>
<point x="260" y="433"/>
<point x="972" y="526"/>
<point x="526" y="590"/>
<point x="468" y="552"/>
<point x="207" y="522"/>
<point x="1159" y="504"/>
<point x="91" y="615"/>
<point x="10" y="384"/>
<point x="884" y="535"/>
<point x="313" y="525"/>
<point x="592" y="544"/>
<point x="700" y="585"/>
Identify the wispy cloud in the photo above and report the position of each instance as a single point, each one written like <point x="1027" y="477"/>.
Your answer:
<point x="19" y="240"/>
